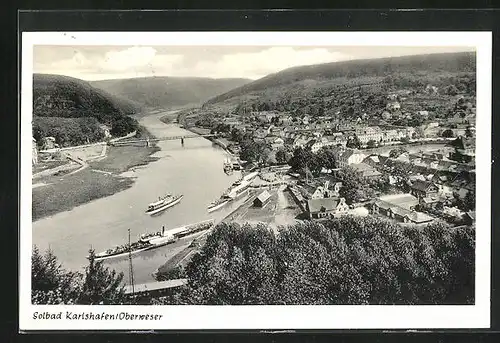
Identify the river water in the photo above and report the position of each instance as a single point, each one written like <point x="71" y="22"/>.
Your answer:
<point x="194" y="170"/>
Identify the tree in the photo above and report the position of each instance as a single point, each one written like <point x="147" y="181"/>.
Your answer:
<point x="253" y="151"/>
<point x="371" y="144"/>
<point x="354" y="187"/>
<point x="327" y="158"/>
<point x="348" y="261"/>
<point x="303" y="160"/>
<point x="353" y="142"/>
<point x="282" y="156"/>
<point x="101" y="285"/>
<point x="467" y="203"/>
<point x="52" y="284"/>
<point x="451" y="90"/>
<point x="448" y="133"/>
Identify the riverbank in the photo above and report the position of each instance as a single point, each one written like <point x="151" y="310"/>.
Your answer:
<point x="101" y="179"/>
<point x="280" y="211"/>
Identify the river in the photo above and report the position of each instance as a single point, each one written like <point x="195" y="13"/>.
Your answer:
<point x="194" y="170"/>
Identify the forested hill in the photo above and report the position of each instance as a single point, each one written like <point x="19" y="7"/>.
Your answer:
<point x="304" y="83"/>
<point x="71" y="110"/>
<point x="169" y="91"/>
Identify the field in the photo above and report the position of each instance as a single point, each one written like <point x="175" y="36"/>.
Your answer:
<point x="120" y="159"/>
<point x="41" y="166"/>
<point x="66" y="192"/>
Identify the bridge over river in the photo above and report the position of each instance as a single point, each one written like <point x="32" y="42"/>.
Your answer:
<point x="148" y="141"/>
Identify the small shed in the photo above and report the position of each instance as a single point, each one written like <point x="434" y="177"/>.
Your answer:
<point x="262" y="199"/>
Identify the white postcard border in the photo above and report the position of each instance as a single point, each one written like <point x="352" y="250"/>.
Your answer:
<point x="269" y="317"/>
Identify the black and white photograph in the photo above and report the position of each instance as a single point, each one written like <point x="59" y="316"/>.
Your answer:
<point x="172" y="174"/>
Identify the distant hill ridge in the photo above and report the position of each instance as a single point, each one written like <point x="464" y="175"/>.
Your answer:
<point x="65" y="96"/>
<point x="71" y="110"/>
<point x="380" y="67"/>
<point x="166" y="91"/>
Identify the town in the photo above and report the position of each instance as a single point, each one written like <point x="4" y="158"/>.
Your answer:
<point x="409" y="174"/>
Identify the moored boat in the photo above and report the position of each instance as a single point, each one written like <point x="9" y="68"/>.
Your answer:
<point x="239" y="190"/>
<point x="163" y="203"/>
<point x="163" y="240"/>
<point x="154" y="240"/>
<point x="217" y="204"/>
<point x="147" y="237"/>
<point x="123" y="250"/>
<point x="250" y="176"/>
<point x="193" y="228"/>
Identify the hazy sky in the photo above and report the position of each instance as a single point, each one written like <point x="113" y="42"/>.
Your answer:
<point x="253" y="62"/>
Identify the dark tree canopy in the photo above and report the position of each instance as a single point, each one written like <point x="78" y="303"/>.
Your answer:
<point x="342" y="261"/>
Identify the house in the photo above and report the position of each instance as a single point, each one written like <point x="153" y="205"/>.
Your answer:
<point x="337" y="186"/>
<point x="403" y="200"/>
<point x="300" y="141"/>
<point x="49" y="143"/>
<point x="347" y="156"/>
<point x="400" y="207"/>
<point x="324" y="192"/>
<point x="369" y="133"/>
<point x="390" y="135"/>
<point x="260" y="133"/>
<point x="262" y="199"/>
<point x="431" y="130"/>
<point x="424" y="189"/>
<point x="423" y="114"/>
<point x="393" y="106"/>
<point x="106" y="130"/>
<point x="327" y="141"/>
<point x="265" y="116"/>
<point x="365" y="170"/>
<point x="276" y="131"/>
<point x="275" y="142"/>
<point x="326" y="208"/>
<point x="464" y="150"/>
<point x="430" y="89"/>
<point x="386" y="115"/>
<point x="409" y="132"/>
<point x="336" y="139"/>
<point x="34" y="152"/>
<point x="305" y="120"/>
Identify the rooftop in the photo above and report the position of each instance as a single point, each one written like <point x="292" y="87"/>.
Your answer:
<point x="404" y="200"/>
<point x="421" y="185"/>
<point x="264" y="196"/>
<point x="322" y="204"/>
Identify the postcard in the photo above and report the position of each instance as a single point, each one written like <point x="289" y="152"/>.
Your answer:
<point x="255" y="180"/>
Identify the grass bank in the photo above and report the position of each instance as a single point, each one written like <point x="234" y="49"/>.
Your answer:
<point x="64" y="192"/>
<point x="121" y="158"/>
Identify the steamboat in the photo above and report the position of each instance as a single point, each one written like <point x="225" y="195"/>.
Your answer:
<point x="163" y="203"/>
<point x="154" y="240"/>
<point x="218" y="204"/>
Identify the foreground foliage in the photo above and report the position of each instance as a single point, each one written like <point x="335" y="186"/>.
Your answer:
<point x="51" y="284"/>
<point x="343" y="261"/>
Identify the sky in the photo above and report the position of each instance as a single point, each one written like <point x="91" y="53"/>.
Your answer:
<point x="253" y="62"/>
